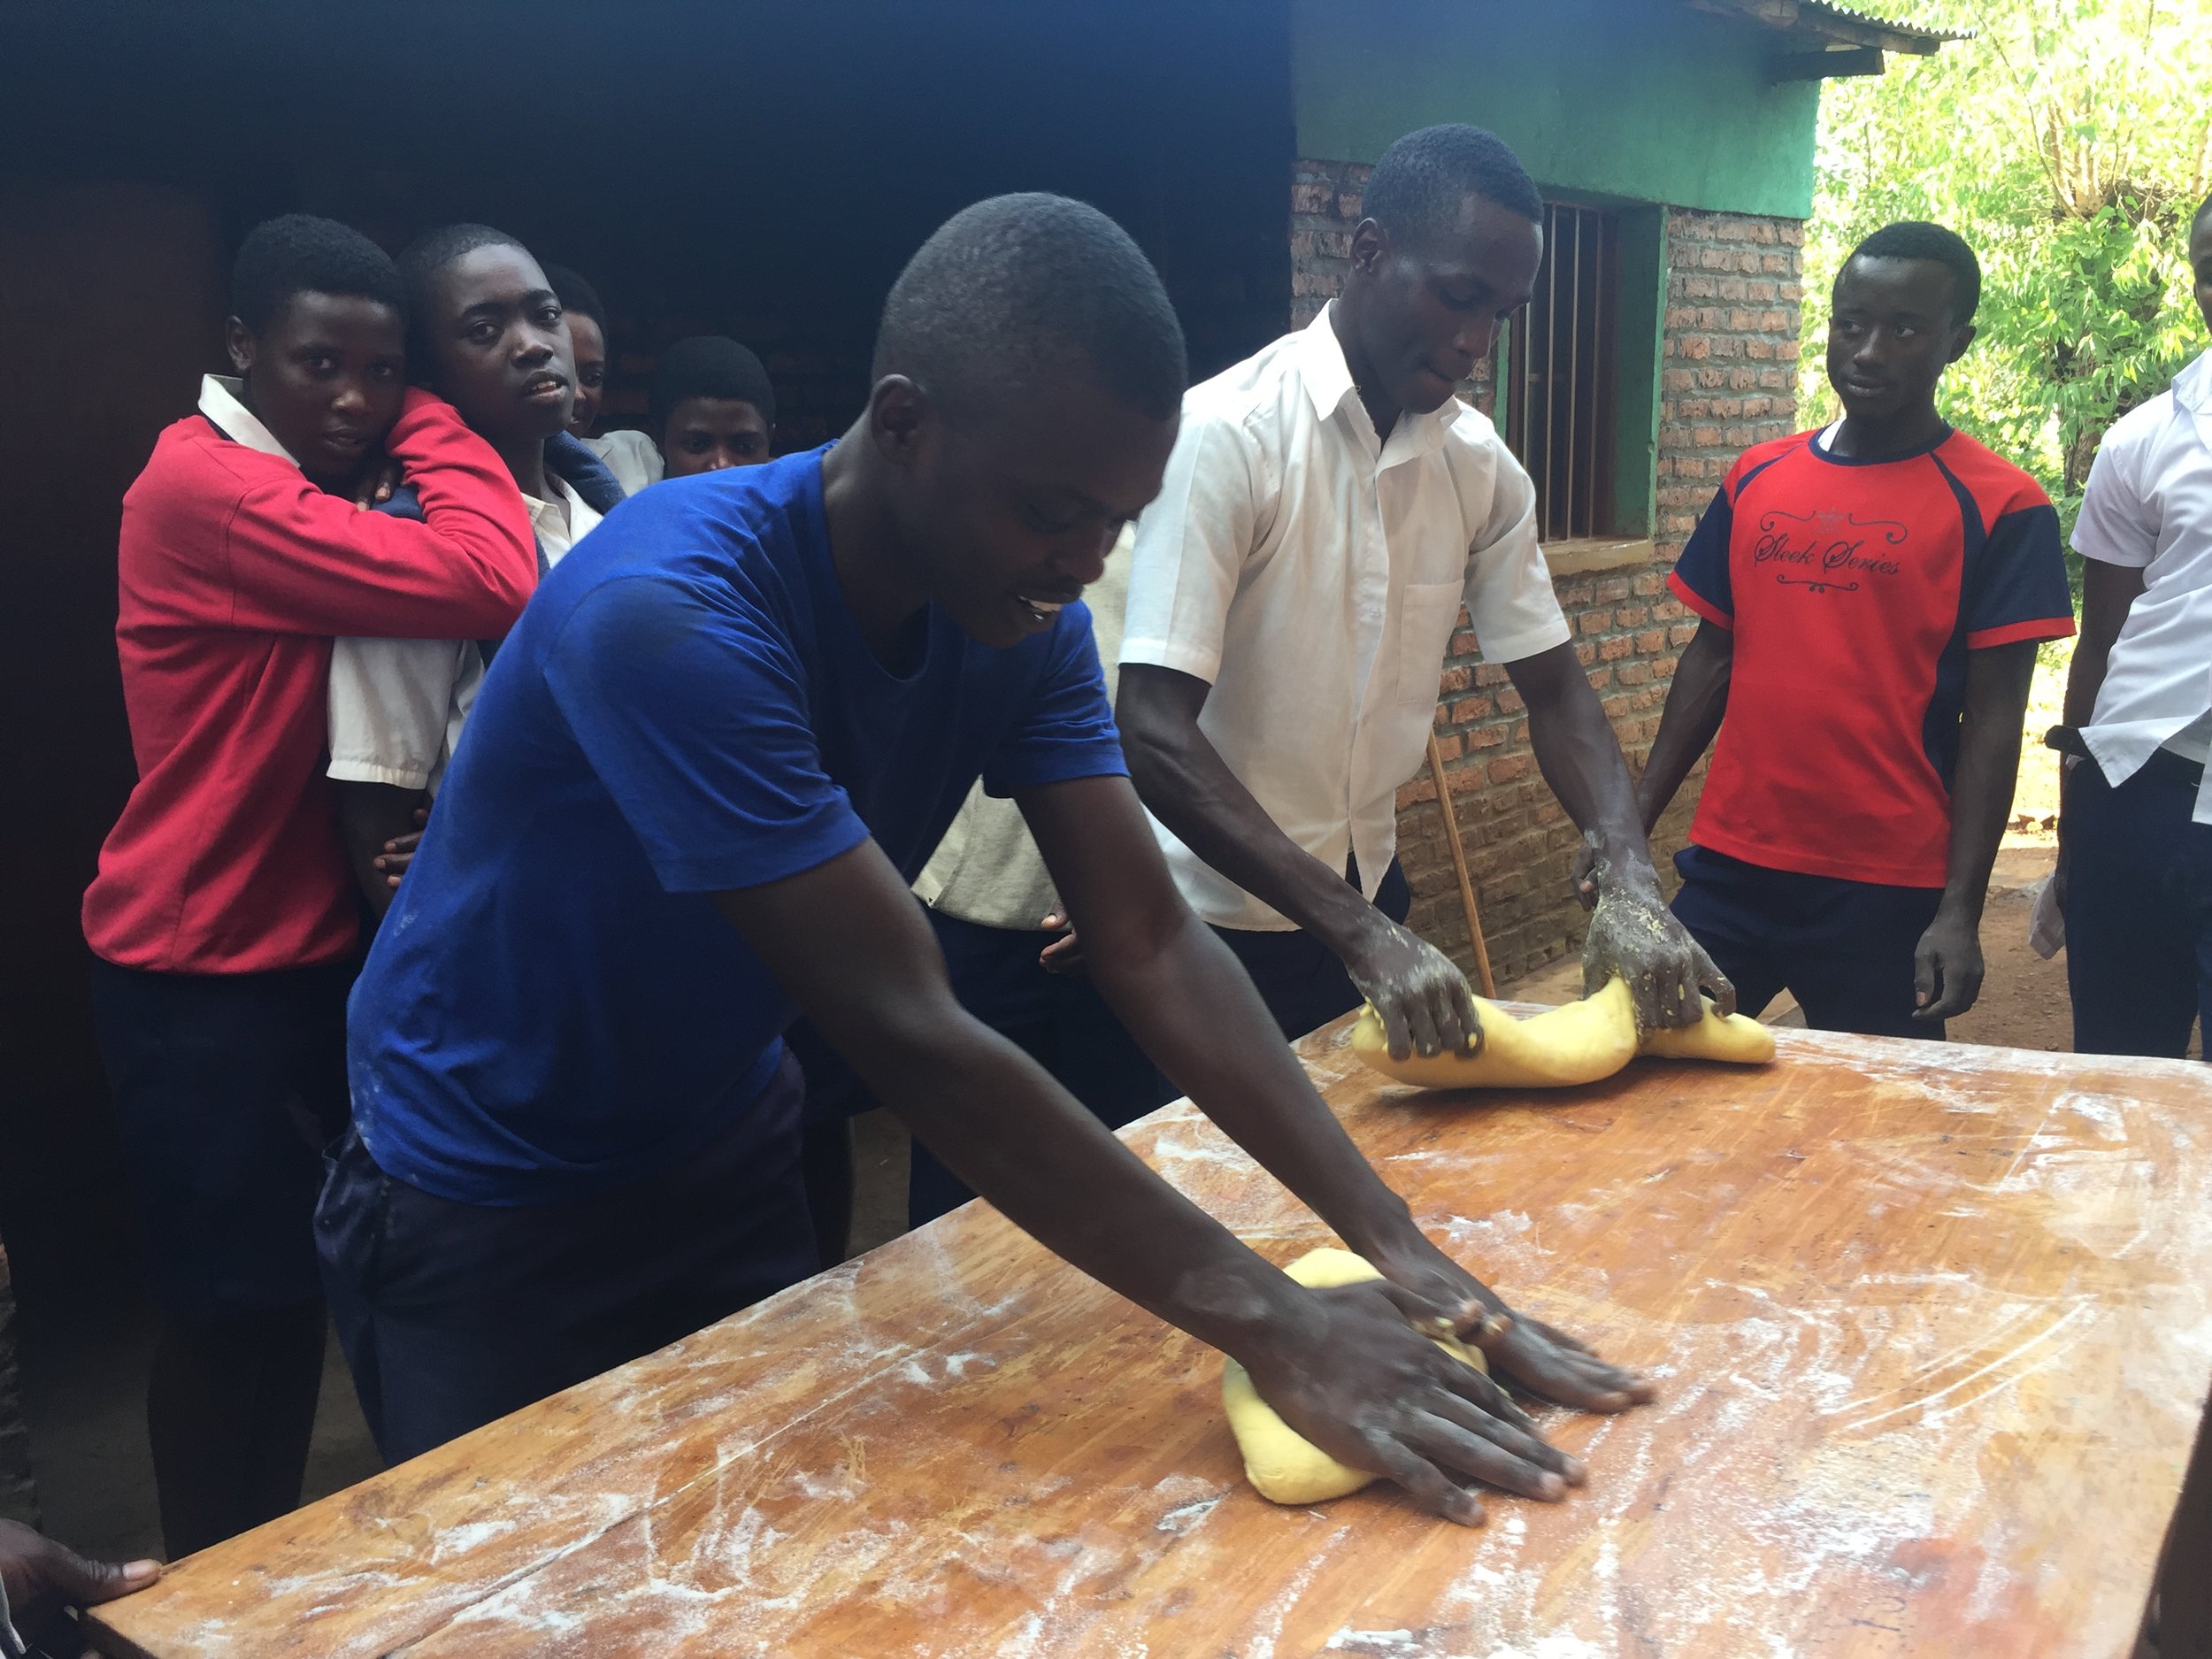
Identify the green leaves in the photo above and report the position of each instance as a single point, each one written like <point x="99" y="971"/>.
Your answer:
<point x="2068" y="143"/>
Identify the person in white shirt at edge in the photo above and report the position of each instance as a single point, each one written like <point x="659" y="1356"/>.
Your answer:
<point x="1329" y="507"/>
<point x="488" y="335"/>
<point x="2134" y="879"/>
<point x="586" y="315"/>
<point x="710" y="407"/>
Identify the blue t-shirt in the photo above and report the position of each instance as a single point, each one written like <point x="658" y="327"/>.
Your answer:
<point x="553" y="1003"/>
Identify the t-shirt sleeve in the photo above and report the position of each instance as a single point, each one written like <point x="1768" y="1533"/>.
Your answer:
<point x="1067" y="730"/>
<point x="1509" y="593"/>
<point x="692" y="711"/>
<point x="2018" y="589"/>
<point x="391" y="703"/>
<point x="1700" y="579"/>
<point x="2115" y="525"/>
<point x="1192" y="542"/>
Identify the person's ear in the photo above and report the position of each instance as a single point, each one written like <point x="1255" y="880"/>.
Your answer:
<point x="238" y="342"/>
<point x="1371" y="246"/>
<point x="1962" y="338"/>
<point x="901" y="420"/>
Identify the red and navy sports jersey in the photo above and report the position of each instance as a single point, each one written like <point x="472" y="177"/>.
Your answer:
<point x="1855" y="587"/>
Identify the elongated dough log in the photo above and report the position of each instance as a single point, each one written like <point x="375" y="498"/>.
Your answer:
<point x="1738" y="1040"/>
<point x="1281" y="1463"/>
<point x="1577" y="1042"/>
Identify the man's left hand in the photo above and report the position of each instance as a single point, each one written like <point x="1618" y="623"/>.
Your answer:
<point x="1635" y="938"/>
<point x="1525" y="1351"/>
<point x="1947" y="968"/>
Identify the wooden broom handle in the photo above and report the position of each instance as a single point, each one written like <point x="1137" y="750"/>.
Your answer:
<point x="1459" y="867"/>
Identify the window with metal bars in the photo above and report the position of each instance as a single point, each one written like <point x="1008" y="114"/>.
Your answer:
<point x="1558" y="376"/>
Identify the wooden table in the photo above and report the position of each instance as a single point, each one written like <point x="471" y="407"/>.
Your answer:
<point x="1933" y="1326"/>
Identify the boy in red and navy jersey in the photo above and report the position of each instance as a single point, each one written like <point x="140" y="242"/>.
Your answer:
<point x="223" y="919"/>
<point x="1870" y="598"/>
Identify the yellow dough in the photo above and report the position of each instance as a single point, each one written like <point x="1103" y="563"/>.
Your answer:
<point x="1737" y="1039"/>
<point x="1577" y="1042"/>
<point x="1282" y="1464"/>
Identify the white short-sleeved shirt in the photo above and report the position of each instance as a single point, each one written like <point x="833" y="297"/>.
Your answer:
<point x="2148" y="506"/>
<point x="397" y="706"/>
<point x="634" y="459"/>
<point x="1312" y="575"/>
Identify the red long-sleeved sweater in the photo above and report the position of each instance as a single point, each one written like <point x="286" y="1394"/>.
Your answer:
<point x="234" y="573"/>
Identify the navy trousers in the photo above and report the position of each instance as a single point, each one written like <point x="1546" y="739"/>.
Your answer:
<point x="2139" y="908"/>
<point x="1298" y="977"/>
<point x="1844" y="950"/>
<point x="454" y="1314"/>
<point x="226" y="1088"/>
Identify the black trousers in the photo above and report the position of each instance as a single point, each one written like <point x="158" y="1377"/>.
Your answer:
<point x="2139" y="908"/>
<point x="226" y="1087"/>
<point x="455" y="1314"/>
<point x="1844" y="950"/>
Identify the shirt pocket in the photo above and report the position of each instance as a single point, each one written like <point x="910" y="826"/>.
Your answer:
<point x="1426" y="615"/>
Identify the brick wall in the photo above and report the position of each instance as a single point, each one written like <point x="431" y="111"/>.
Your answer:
<point x="1730" y="343"/>
<point x="18" y="1501"/>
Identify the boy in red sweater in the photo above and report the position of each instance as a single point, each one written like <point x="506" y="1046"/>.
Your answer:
<point x="223" y="919"/>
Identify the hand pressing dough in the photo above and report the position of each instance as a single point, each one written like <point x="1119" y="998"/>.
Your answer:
<point x="1577" y="1042"/>
<point x="1738" y="1040"/>
<point x="1281" y="1463"/>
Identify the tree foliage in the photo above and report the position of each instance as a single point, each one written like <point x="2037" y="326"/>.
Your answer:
<point x="2070" y="142"/>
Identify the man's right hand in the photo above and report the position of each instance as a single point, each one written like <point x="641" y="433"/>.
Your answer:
<point x="1425" y="1002"/>
<point x="1356" y="1379"/>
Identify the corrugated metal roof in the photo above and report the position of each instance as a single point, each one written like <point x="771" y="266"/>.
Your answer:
<point x="1818" y="19"/>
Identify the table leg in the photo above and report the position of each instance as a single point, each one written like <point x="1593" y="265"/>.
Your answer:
<point x="2185" y="1583"/>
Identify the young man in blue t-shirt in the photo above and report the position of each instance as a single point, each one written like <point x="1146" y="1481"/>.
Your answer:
<point x="707" y="764"/>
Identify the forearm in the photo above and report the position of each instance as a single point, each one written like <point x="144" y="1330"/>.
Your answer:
<point x="1579" y="755"/>
<point x="1988" y="769"/>
<point x="369" y="815"/>
<point x="1696" y="703"/>
<point x="1001" y="1123"/>
<point x="1193" y="1010"/>
<point x="1183" y="780"/>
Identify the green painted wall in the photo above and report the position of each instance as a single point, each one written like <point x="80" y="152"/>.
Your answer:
<point x="1642" y="99"/>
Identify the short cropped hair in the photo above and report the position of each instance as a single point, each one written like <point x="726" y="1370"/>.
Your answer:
<point x="576" y="295"/>
<point x="1018" y="291"/>
<point x="302" y="254"/>
<point x="1417" y="188"/>
<point x="1916" y="239"/>
<point x="2203" y="212"/>
<point x="708" y="365"/>
<point x="420" y="263"/>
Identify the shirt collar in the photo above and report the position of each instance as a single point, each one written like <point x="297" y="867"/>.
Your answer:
<point x="222" y="400"/>
<point x="1328" y="377"/>
<point x="2192" y="391"/>
<point x="1328" y="380"/>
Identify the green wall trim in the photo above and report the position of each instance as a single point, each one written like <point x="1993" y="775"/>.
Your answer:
<point x="1640" y="100"/>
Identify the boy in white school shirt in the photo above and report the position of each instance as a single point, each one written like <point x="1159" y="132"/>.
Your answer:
<point x="487" y="334"/>
<point x="1329" y="507"/>
<point x="2135" y="841"/>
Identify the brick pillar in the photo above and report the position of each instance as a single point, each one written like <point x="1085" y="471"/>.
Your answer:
<point x="19" y="1500"/>
<point x="1728" y="375"/>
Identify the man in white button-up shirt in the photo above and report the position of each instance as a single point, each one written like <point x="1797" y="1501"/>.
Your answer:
<point x="2136" y="864"/>
<point x="1329" y="508"/>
